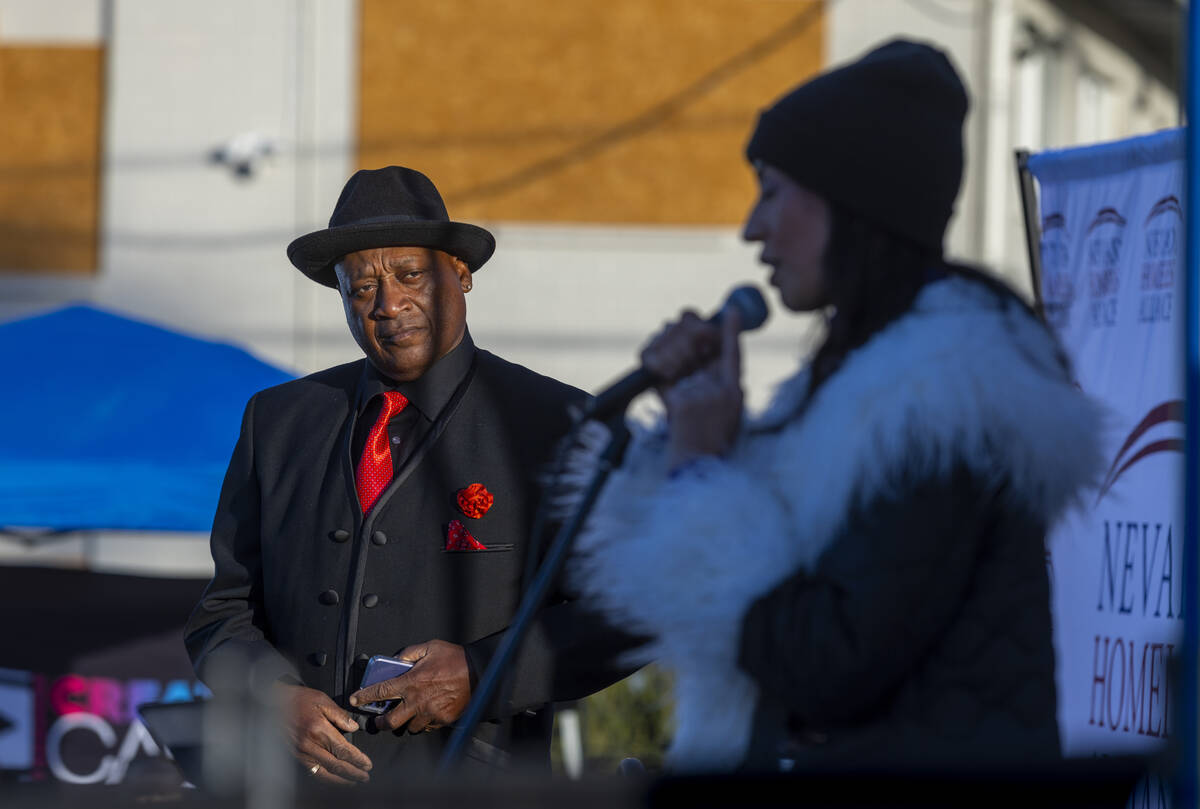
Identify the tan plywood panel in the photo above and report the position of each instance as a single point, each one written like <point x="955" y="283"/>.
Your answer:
<point x="50" y="105"/>
<point x="622" y="111"/>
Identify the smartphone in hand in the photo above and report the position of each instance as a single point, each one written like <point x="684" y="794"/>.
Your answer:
<point x="380" y="668"/>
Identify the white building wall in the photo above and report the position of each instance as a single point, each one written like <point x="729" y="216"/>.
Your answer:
<point x="1026" y="92"/>
<point x="958" y="28"/>
<point x="59" y="21"/>
<point x="189" y="245"/>
<point x="1075" y="88"/>
<point x="184" y="242"/>
<point x="579" y="302"/>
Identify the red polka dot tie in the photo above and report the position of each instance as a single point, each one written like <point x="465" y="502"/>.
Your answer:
<point x="374" y="471"/>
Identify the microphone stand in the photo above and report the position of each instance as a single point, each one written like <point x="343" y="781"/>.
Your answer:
<point x="539" y="587"/>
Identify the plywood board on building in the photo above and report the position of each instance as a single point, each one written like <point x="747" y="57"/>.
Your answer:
<point x="50" y="105"/>
<point x="621" y="111"/>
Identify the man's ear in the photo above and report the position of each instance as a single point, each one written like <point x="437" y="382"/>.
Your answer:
<point x="465" y="282"/>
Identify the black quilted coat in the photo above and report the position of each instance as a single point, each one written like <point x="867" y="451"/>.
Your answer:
<point x="926" y="639"/>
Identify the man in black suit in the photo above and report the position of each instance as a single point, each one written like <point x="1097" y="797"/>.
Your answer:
<point x="383" y="507"/>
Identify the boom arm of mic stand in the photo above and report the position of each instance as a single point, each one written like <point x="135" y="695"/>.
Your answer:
<point x="547" y="574"/>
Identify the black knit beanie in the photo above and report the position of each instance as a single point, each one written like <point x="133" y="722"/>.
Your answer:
<point x="880" y="137"/>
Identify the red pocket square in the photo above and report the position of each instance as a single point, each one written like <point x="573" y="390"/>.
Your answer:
<point x="458" y="538"/>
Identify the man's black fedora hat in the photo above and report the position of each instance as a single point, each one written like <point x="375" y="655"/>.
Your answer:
<point x="388" y="207"/>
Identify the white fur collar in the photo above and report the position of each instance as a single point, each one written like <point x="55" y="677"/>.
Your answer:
<point x="964" y="377"/>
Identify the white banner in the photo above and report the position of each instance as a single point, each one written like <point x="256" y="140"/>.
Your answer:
<point x="1112" y="256"/>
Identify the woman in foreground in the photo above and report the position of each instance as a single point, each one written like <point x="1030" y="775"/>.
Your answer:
<point x="856" y="578"/>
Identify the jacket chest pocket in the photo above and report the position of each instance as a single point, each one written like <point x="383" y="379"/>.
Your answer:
<point x="483" y="545"/>
<point x="485" y="583"/>
<point x="464" y="536"/>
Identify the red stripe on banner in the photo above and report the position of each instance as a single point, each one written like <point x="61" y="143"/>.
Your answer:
<point x="1165" y="205"/>
<point x="1165" y="445"/>
<point x="1167" y="411"/>
<point x="1106" y="216"/>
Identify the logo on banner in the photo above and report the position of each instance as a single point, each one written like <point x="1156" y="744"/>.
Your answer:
<point x="1130" y="689"/>
<point x="1112" y="278"/>
<point x="1058" y="282"/>
<point x="1164" y="413"/>
<point x="1160" y="258"/>
<point x="1105" y="237"/>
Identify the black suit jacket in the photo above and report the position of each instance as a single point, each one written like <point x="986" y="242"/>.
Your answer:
<point x="306" y="586"/>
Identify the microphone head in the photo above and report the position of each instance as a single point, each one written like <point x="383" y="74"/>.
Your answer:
<point x="749" y="303"/>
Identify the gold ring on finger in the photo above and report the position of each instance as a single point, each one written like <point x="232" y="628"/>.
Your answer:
<point x="313" y="769"/>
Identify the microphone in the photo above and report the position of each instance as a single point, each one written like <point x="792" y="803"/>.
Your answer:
<point x="747" y="301"/>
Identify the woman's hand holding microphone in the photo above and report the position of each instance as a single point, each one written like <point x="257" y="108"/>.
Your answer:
<point x="702" y="365"/>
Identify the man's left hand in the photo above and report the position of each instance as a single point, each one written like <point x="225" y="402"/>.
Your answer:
<point x="432" y="694"/>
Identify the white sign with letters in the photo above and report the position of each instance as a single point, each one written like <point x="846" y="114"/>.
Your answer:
<point x="1112" y="282"/>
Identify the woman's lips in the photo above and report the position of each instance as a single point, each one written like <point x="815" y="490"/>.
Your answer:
<point x="773" y="278"/>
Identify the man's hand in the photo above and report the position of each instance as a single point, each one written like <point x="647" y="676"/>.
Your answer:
<point x="314" y="725"/>
<point x="432" y="694"/>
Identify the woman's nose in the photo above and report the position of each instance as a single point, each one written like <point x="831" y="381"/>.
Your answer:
<point x="752" y="231"/>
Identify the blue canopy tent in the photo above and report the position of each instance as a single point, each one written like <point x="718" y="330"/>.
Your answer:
<point x="111" y="423"/>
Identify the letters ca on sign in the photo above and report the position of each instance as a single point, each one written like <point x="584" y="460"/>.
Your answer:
<point x="91" y="732"/>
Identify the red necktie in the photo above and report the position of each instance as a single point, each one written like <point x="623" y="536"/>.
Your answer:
<point x="374" y="471"/>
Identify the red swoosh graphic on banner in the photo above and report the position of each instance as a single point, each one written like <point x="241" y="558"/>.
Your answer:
<point x="1054" y="220"/>
<point x="1165" y="205"/>
<point x="1167" y="411"/>
<point x="1106" y="216"/>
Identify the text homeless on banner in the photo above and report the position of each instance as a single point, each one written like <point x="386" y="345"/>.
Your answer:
<point x="1112" y="236"/>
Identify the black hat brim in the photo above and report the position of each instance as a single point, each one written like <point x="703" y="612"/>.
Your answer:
<point x="315" y="254"/>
